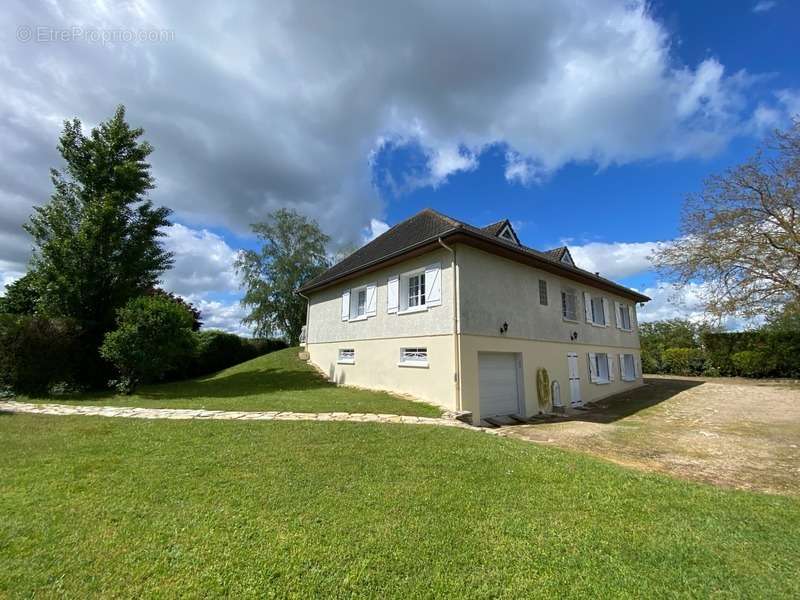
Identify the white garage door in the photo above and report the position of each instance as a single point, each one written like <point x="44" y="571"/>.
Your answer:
<point x="499" y="385"/>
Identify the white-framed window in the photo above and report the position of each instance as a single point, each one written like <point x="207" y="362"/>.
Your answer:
<point x="413" y="357"/>
<point x="596" y="309"/>
<point x="624" y="316"/>
<point x="415" y="290"/>
<point x="347" y="356"/>
<point x="600" y="367"/>
<point x="627" y="366"/>
<point x="359" y="303"/>
<point x="598" y="314"/>
<point x="543" y="292"/>
<point x="569" y="305"/>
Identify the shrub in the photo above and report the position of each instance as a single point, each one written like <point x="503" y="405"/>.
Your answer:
<point x="650" y="364"/>
<point x="37" y="353"/>
<point x="153" y="337"/>
<point x="752" y="363"/>
<point x="683" y="361"/>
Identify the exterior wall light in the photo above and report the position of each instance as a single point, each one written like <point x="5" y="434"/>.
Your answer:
<point x="504" y="328"/>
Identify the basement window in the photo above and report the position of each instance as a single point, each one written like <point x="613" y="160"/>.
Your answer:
<point x="347" y="356"/>
<point x="413" y="357"/>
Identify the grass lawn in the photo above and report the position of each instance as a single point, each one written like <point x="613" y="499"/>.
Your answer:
<point x="118" y="507"/>
<point x="276" y="381"/>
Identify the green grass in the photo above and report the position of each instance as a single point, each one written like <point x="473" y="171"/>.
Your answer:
<point x="276" y="381"/>
<point x="130" y="508"/>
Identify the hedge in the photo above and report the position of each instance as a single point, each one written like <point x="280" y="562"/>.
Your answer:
<point x="217" y="350"/>
<point x="760" y="353"/>
<point x="683" y="361"/>
<point x="38" y="353"/>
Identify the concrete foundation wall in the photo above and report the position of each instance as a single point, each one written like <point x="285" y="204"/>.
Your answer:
<point x="376" y="367"/>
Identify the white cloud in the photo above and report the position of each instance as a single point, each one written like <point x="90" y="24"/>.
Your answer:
<point x="764" y="6"/>
<point x="203" y="262"/>
<point x="686" y="302"/>
<point x="614" y="260"/>
<point x="376" y="228"/>
<point x="203" y="271"/>
<point x="448" y="160"/>
<point x="226" y="316"/>
<point x="260" y="106"/>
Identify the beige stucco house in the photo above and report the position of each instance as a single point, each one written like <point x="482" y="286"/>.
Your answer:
<point x="464" y="317"/>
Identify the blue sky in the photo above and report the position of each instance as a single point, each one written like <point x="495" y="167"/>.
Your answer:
<point x="584" y="122"/>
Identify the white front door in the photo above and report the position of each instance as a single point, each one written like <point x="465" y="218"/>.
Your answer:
<point x="499" y="385"/>
<point x="574" y="380"/>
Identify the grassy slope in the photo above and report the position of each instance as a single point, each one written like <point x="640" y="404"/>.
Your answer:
<point x="276" y="381"/>
<point x="113" y="507"/>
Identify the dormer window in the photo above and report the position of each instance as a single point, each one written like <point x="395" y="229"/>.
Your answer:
<point x="507" y="233"/>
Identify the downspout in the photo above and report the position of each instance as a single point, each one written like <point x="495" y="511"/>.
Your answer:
<point x="308" y="315"/>
<point x="456" y="340"/>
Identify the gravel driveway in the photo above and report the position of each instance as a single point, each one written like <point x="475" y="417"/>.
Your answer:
<point x="730" y="432"/>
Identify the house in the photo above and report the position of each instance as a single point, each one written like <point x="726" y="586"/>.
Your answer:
<point x="465" y="317"/>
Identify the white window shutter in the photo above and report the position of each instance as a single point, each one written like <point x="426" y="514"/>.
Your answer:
<point x="587" y="305"/>
<point x="611" y="373"/>
<point x="622" y="367"/>
<point x="370" y="309"/>
<point x="606" y="315"/>
<point x="592" y="369"/>
<point x="346" y="305"/>
<point x="616" y="315"/>
<point x="433" y="284"/>
<point x="392" y="293"/>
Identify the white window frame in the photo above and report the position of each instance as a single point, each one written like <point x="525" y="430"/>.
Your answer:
<point x="569" y="292"/>
<point x="405" y="279"/>
<point x="416" y="356"/>
<point x="625" y="374"/>
<point x="354" y="293"/>
<point x="598" y="378"/>
<point x="544" y="293"/>
<point x="346" y="356"/>
<point x="602" y="303"/>
<point x="620" y="321"/>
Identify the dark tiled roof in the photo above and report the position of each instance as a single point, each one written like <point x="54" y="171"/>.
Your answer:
<point x="423" y="227"/>
<point x="494" y="228"/>
<point x="556" y="253"/>
<point x="426" y="227"/>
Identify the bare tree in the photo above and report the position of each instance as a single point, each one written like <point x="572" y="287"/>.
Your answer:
<point x="741" y="234"/>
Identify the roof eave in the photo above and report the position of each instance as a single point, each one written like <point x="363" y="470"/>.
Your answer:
<point x="491" y="245"/>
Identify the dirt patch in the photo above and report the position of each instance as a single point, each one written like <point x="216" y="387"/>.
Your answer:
<point x="734" y="433"/>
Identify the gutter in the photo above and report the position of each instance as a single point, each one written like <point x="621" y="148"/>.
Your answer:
<point x="456" y="333"/>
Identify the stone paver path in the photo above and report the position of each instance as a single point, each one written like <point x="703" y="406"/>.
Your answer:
<point x="179" y="413"/>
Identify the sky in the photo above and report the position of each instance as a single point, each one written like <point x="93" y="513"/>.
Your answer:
<point x="584" y="122"/>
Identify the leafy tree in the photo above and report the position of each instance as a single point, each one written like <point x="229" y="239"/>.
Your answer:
<point x="786" y="319"/>
<point x="741" y="234"/>
<point x="153" y="337"/>
<point x="97" y="240"/>
<point x="292" y="252"/>
<point x="197" y="322"/>
<point x="658" y="336"/>
<point x="21" y="296"/>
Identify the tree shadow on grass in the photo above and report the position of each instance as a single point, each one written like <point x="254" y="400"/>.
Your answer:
<point x="249" y="383"/>
<point x="625" y="404"/>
